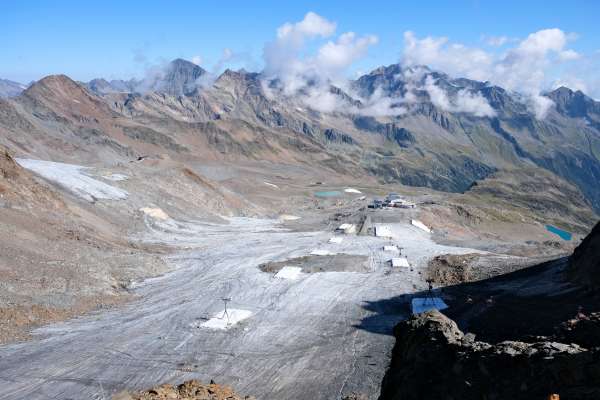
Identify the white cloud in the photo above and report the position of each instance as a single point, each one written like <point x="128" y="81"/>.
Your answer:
<point x="522" y="68"/>
<point x="569" y="55"/>
<point x="463" y="101"/>
<point x="342" y="53"/>
<point x="197" y="60"/>
<point x="381" y="105"/>
<point x="301" y="74"/>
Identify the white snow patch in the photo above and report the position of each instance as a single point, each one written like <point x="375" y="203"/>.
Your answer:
<point x="287" y="217"/>
<point x="352" y="190"/>
<point x="289" y="273"/>
<point x="420" y="225"/>
<point x="336" y="239"/>
<point x="393" y="248"/>
<point x="422" y="304"/>
<point x="155" y="213"/>
<point x="222" y="320"/>
<point x="320" y="252"/>
<point x="271" y="184"/>
<point x="73" y="178"/>
<point x="400" y="262"/>
<point x="116" y="177"/>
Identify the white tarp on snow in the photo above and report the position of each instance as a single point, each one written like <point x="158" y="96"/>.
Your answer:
<point x="400" y="262"/>
<point x="223" y="321"/>
<point x="347" y="228"/>
<point x="289" y="273"/>
<point x="422" y="304"/>
<point x="420" y="225"/>
<point x="393" y="248"/>
<point x="73" y="178"/>
<point x="383" y="231"/>
<point x="352" y="190"/>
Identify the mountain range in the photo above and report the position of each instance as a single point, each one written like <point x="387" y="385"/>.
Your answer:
<point x="471" y="131"/>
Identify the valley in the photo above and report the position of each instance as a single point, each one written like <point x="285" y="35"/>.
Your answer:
<point x="211" y="226"/>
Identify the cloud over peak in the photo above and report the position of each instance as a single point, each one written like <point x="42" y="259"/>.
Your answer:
<point x="522" y="68"/>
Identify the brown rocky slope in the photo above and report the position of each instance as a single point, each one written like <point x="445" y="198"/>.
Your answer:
<point x="532" y="333"/>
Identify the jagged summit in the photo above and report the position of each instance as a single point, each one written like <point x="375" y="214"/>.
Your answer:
<point x="179" y="78"/>
<point x="574" y="103"/>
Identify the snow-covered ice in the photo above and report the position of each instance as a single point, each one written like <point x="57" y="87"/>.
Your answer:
<point x="222" y="320"/>
<point x="336" y="240"/>
<point x="420" y="225"/>
<point x="289" y="273"/>
<point x="116" y="177"/>
<point x="287" y="217"/>
<point x="73" y="178"/>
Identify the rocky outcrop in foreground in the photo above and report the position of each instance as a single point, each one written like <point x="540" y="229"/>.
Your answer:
<point x="189" y="390"/>
<point x="434" y="359"/>
<point x="584" y="265"/>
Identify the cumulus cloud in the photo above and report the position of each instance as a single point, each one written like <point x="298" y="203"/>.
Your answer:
<point x="380" y="104"/>
<point x="463" y="101"/>
<point x="291" y="68"/>
<point x="521" y="68"/>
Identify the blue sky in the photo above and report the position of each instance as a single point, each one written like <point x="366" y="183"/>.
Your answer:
<point x="121" y="39"/>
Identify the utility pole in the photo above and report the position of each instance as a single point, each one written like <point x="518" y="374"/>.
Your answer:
<point x="225" y="313"/>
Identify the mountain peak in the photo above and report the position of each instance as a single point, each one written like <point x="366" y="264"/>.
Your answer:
<point x="179" y="79"/>
<point x="574" y="104"/>
<point x="57" y="83"/>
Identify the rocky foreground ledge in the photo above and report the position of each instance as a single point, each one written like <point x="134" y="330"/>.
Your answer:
<point x="538" y="337"/>
<point x="189" y="390"/>
<point x="434" y="359"/>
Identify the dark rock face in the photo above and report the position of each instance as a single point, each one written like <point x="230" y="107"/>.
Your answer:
<point x="584" y="264"/>
<point x="433" y="359"/>
<point x="574" y="104"/>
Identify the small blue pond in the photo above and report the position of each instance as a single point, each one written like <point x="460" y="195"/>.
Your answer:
<point x="563" y="234"/>
<point x="331" y="193"/>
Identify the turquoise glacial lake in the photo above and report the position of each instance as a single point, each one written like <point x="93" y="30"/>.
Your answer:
<point x="331" y="193"/>
<point x="559" y="232"/>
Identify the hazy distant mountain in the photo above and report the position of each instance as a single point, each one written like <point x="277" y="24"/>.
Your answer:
<point x="178" y="78"/>
<point x="102" y="86"/>
<point x="10" y="88"/>
<point x="418" y="141"/>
